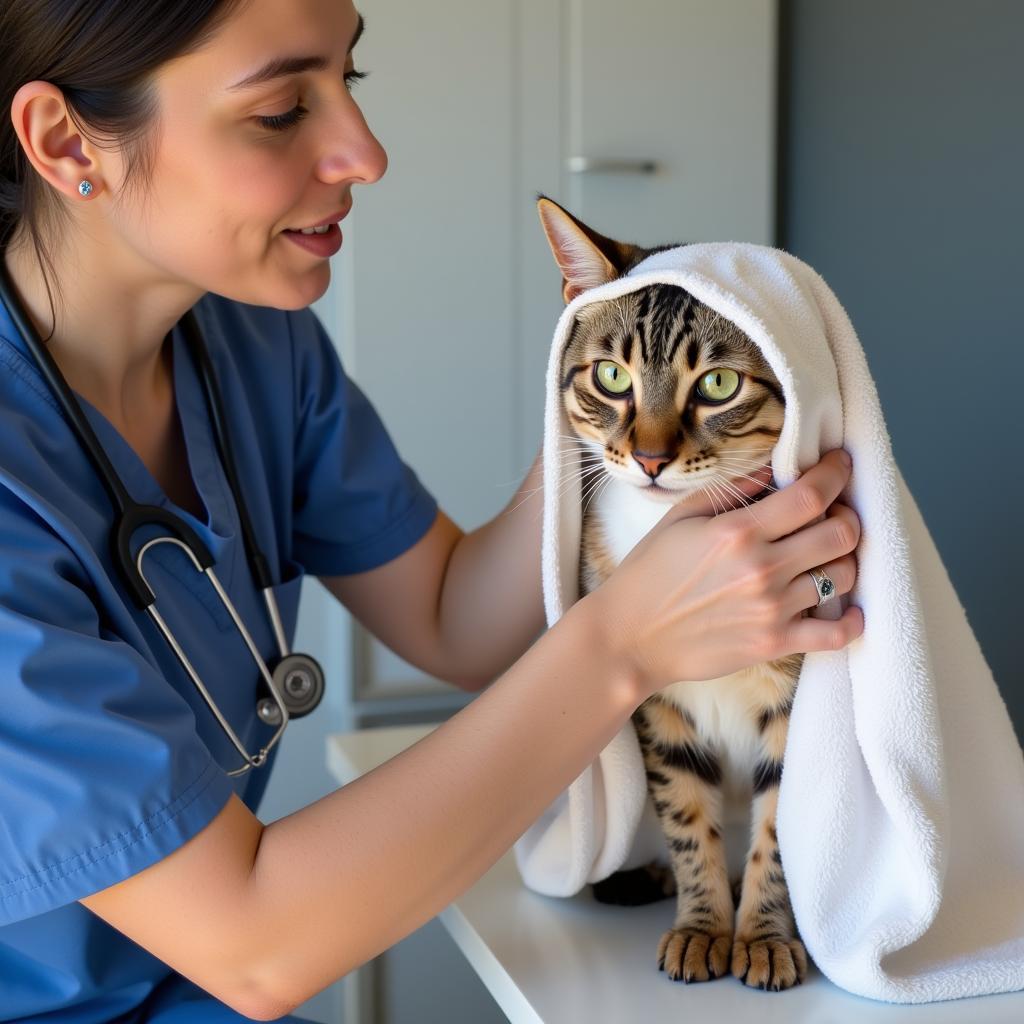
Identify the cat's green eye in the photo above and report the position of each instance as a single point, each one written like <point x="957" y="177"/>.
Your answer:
<point x="613" y="378"/>
<point x="718" y="385"/>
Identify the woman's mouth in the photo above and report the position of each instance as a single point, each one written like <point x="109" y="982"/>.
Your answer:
<point x="322" y="242"/>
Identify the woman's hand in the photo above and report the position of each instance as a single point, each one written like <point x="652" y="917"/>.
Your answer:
<point x="703" y="596"/>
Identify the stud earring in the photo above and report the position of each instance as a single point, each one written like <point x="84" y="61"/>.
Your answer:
<point x="85" y="186"/>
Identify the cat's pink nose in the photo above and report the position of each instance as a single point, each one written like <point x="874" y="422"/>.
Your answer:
<point x="652" y="465"/>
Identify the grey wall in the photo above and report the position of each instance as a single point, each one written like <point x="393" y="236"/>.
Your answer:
<point x="902" y="183"/>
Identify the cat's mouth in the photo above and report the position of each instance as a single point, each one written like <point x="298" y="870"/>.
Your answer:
<point x="659" y="492"/>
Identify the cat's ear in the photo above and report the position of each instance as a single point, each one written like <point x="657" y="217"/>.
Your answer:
<point x="585" y="258"/>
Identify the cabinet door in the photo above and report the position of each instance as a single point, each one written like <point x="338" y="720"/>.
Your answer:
<point x="430" y="304"/>
<point x="671" y="118"/>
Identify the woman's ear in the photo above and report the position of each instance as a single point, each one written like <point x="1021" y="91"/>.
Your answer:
<point x="52" y="141"/>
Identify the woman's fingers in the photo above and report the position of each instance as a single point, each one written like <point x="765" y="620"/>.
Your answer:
<point x="819" y="544"/>
<point x="786" y="511"/>
<point x="802" y="594"/>
<point x="812" y="634"/>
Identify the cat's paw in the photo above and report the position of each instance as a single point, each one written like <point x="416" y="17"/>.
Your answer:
<point x="770" y="963"/>
<point x="686" y="954"/>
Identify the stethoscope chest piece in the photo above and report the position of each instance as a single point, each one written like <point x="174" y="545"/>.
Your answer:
<point x="299" y="681"/>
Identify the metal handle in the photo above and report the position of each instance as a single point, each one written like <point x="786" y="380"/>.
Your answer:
<point x="587" y="165"/>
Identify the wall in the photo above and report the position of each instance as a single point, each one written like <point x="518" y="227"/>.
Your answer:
<point x="902" y="162"/>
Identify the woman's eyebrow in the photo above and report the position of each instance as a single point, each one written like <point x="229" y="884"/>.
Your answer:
<point x="282" y="66"/>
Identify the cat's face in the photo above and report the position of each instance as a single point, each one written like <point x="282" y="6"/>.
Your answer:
<point x="662" y="392"/>
<point x="671" y="395"/>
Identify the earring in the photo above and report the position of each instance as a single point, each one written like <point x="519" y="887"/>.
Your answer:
<point x="85" y="186"/>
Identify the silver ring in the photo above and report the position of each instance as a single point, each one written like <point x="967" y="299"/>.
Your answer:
<point x="823" y="584"/>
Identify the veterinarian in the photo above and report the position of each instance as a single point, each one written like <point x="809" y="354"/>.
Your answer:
<point x="172" y="178"/>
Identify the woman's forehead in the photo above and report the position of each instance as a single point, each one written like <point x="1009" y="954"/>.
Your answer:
<point x="261" y="41"/>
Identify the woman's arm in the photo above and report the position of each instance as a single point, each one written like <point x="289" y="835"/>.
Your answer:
<point x="265" y="917"/>
<point x="462" y="606"/>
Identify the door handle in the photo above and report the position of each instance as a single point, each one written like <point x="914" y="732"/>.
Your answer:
<point x="589" y="165"/>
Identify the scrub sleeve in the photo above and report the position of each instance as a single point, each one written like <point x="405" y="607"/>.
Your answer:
<point x="109" y="758"/>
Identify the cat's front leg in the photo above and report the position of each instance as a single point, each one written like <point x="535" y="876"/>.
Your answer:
<point x="767" y="953"/>
<point x="684" y="776"/>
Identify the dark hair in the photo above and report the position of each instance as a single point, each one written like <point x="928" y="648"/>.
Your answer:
<point x="102" y="55"/>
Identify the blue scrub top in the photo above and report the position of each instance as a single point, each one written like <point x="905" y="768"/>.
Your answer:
<point x="109" y="757"/>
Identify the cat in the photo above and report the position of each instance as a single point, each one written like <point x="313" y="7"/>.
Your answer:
<point x="666" y="397"/>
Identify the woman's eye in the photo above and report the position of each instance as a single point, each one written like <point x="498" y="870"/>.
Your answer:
<point x="351" y="77"/>
<point x="717" y="385"/>
<point x="612" y="378"/>
<point x="282" y="122"/>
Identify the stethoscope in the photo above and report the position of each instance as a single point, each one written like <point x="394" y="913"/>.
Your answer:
<point x="294" y="685"/>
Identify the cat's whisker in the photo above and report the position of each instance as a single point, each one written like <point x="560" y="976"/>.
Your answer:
<point x="706" y="489"/>
<point x="572" y="478"/>
<point x="746" y="462"/>
<point x="566" y="480"/>
<point x="585" y="499"/>
<point x="583" y="457"/>
<point x="582" y="454"/>
<point x="747" y="476"/>
<point x="527" y="495"/>
<point x="565" y="455"/>
<point x="568" y="443"/>
<point x="723" y="494"/>
<point x="616" y="307"/>
<point x="745" y="500"/>
<point x="741" y="462"/>
<point x="520" y="504"/>
<point x="565" y="462"/>
<point x="593" y="489"/>
<point x="576" y="437"/>
<point x="586" y="464"/>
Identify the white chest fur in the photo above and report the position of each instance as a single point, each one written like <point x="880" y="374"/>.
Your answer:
<point x="722" y="707"/>
<point x="625" y="516"/>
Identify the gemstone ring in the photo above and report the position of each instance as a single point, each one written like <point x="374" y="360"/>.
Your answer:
<point x="823" y="583"/>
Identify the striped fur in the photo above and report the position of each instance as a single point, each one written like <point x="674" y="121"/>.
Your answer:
<point x="703" y="742"/>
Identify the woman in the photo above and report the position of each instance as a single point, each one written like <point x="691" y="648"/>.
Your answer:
<point x="148" y="167"/>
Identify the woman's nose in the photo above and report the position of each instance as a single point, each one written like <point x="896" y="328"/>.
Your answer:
<point x="355" y="153"/>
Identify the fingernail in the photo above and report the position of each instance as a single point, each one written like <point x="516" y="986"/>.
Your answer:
<point x="845" y="456"/>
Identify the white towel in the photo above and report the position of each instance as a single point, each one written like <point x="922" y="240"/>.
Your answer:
<point x="901" y="808"/>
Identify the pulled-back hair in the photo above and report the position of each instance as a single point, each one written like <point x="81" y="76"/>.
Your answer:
<point x="102" y="55"/>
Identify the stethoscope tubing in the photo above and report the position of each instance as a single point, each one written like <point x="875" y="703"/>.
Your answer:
<point x="130" y="515"/>
<point x="252" y="760"/>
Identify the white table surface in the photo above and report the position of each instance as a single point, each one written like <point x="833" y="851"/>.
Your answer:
<point x="563" y="961"/>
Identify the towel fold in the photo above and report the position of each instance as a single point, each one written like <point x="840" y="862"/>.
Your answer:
<point x="901" y="806"/>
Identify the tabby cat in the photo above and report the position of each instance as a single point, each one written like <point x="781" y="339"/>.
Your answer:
<point x="667" y="397"/>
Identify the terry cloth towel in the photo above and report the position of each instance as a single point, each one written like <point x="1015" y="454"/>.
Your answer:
<point x="901" y="807"/>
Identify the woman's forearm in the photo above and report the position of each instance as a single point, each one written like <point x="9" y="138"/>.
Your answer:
<point x="491" y="606"/>
<point x="341" y="880"/>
